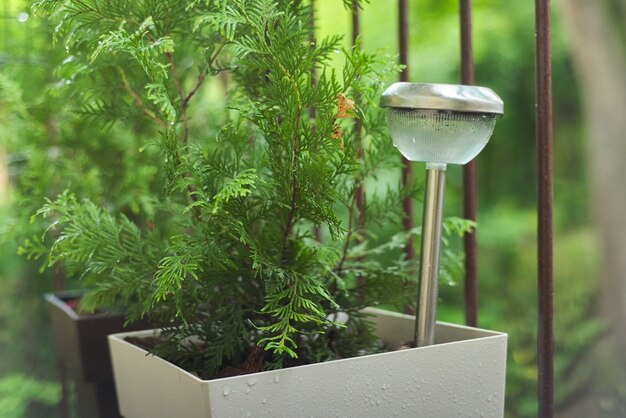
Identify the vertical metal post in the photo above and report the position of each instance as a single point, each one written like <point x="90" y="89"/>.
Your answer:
<point x="429" y="256"/>
<point x="317" y="230"/>
<point x="407" y="171"/>
<point x="360" y="192"/>
<point x="355" y="21"/>
<point x="545" y="338"/>
<point x="469" y="176"/>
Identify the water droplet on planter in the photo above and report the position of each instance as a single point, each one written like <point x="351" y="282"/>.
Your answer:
<point x="252" y="381"/>
<point x="264" y="401"/>
<point x="226" y="390"/>
<point x="276" y="379"/>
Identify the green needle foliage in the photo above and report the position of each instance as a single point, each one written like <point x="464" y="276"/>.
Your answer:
<point x="228" y="255"/>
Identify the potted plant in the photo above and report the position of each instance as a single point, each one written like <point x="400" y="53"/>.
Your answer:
<point x="80" y="340"/>
<point x="52" y="143"/>
<point x="257" y="153"/>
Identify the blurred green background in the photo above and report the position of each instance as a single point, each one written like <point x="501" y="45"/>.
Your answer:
<point x="504" y="55"/>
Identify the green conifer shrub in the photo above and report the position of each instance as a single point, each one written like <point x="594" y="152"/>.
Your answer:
<point x="257" y="149"/>
<point x="52" y="142"/>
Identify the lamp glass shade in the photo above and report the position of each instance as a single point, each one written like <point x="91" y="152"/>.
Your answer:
<point x="439" y="136"/>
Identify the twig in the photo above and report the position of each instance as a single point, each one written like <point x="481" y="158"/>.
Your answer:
<point x="181" y="97"/>
<point x="294" y="180"/>
<point x="200" y="80"/>
<point x="138" y="102"/>
<point x="346" y="245"/>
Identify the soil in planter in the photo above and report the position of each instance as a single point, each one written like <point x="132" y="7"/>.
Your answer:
<point x="257" y="359"/>
<point x="74" y="303"/>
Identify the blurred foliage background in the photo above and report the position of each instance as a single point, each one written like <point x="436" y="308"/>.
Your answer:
<point x="30" y="110"/>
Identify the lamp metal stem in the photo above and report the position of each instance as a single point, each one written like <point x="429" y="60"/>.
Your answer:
<point x="429" y="257"/>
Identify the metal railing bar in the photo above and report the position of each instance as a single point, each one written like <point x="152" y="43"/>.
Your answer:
<point x="407" y="169"/>
<point x="360" y="191"/>
<point x="359" y="196"/>
<point x="317" y="230"/>
<point x="469" y="176"/>
<point x="545" y="337"/>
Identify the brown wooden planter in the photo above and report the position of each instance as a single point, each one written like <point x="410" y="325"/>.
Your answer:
<point x="82" y="348"/>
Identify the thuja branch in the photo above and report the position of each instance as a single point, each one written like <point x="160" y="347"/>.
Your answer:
<point x="138" y="102"/>
<point x="184" y="105"/>
<point x="203" y="75"/>
<point x="181" y="96"/>
<point x="191" y="189"/>
<point x="346" y="245"/>
<point x="294" y="161"/>
<point x="294" y="181"/>
<point x="184" y="99"/>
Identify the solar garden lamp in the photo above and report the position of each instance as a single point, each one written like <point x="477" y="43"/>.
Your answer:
<point x="438" y="124"/>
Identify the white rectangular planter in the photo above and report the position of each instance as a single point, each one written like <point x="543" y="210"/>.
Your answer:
<point x="461" y="375"/>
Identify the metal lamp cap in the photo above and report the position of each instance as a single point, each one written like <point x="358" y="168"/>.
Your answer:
<point x="447" y="97"/>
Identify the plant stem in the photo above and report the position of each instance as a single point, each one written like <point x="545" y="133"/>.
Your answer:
<point x="202" y="76"/>
<point x="346" y="245"/>
<point x="181" y="97"/>
<point x="138" y="102"/>
<point x="294" y="181"/>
